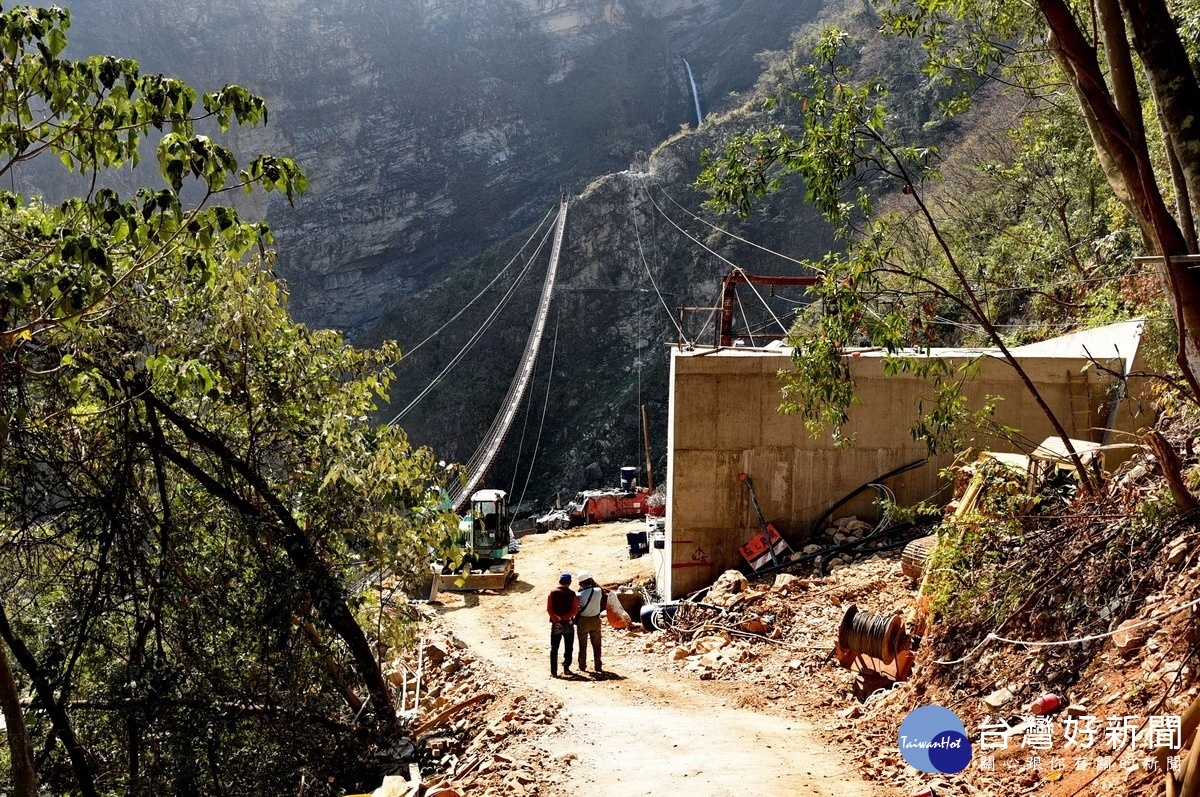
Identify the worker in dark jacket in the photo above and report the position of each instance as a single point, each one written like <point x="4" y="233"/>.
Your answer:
<point x="562" y="605"/>
<point x="591" y="604"/>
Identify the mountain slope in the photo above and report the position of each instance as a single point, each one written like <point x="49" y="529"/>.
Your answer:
<point x="432" y="129"/>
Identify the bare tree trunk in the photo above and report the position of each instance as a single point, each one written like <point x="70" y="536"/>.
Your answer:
<point x="1183" y="199"/>
<point x="58" y="715"/>
<point x="1106" y="150"/>
<point x="20" y="749"/>
<point x="1172" y="468"/>
<point x="1177" y="96"/>
<point x="1176" y="91"/>
<point x="1080" y="61"/>
<point x="1120" y="71"/>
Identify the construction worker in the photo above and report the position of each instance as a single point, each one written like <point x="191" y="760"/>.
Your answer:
<point x="591" y="606"/>
<point x="562" y="605"/>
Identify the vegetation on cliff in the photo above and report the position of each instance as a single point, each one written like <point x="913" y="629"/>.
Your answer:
<point x="1031" y="221"/>
<point x="189" y="483"/>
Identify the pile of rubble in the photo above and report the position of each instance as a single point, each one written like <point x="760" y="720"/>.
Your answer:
<point x="469" y="733"/>
<point x="772" y="639"/>
<point x="843" y="531"/>
<point x="780" y="630"/>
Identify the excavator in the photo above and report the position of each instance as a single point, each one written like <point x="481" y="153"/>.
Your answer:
<point x="483" y="535"/>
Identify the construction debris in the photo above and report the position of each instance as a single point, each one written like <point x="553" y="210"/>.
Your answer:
<point x="601" y="506"/>
<point x="554" y="520"/>
<point x="466" y="727"/>
<point x="768" y="642"/>
<point x="766" y="547"/>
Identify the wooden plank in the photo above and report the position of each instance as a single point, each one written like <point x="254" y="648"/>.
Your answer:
<point x="442" y="716"/>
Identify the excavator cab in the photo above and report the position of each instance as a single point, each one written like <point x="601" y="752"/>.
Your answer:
<point x="483" y="538"/>
<point x="489" y="524"/>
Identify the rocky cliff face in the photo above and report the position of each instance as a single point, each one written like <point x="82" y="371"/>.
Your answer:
<point x="432" y="128"/>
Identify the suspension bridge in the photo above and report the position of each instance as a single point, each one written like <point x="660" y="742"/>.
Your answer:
<point x="488" y="449"/>
<point x="481" y="461"/>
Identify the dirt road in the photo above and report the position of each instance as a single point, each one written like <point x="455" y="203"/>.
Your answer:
<point x="647" y="728"/>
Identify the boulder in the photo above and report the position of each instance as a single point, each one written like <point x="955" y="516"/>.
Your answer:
<point x="999" y="699"/>
<point x="436" y="651"/>
<point x="1130" y="636"/>
<point x="1177" y="550"/>
<point x="857" y="528"/>
<point x="786" y="581"/>
<point x="726" y="587"/>
<point x="707" y="644"/>
<point x="754" y="625"/>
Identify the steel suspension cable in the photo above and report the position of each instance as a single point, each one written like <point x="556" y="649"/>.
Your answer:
<point x="734" y="236"/>
<point x="487" y="323"/>
<point x="745" y="320"/>
<point x="761" y="299"/>
<point x="694" y="240"/>
<point x="524" y="427"/>
<point x="646" y="266"/>
<point x="467" y="306"/>
<point x="545" y="403"/>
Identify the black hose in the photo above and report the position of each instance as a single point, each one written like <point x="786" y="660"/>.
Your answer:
<point x="850" y="495"/>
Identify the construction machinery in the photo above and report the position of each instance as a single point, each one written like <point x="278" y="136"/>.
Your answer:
<point x="483" y="539"/>
<point x="614" y="503"/>
<point x="601" y="506"/>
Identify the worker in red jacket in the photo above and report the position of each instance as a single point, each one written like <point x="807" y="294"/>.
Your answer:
<point x="562" y="605"/>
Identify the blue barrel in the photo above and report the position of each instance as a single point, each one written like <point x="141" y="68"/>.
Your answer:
<point x="638" y="545"/>
<point x="628" y="477"/>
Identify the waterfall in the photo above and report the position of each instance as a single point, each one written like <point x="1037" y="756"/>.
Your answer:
<point x="695" y="94"/>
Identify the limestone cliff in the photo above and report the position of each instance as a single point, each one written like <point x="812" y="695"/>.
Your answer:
<point x="435" y="132"/>
<point x="432" y="128"/>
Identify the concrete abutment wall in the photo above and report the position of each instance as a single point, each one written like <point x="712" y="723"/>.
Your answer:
<point x="724" y="420"/>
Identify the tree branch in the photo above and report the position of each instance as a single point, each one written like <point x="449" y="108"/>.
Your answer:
<point x="58" y="716"/>
<point x="329" y="594"/>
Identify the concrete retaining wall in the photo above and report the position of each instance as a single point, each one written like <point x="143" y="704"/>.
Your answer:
<point x="724" y="420"/>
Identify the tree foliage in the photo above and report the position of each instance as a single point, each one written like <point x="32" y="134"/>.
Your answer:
<point x="1122" y="61"/>
<point x="887" y="289"/>
<point x="998" y="250"/>
<point x="197" y="515"/>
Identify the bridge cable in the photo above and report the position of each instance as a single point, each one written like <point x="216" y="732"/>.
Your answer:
<point x="453" y="318"/>
<point x="712" y="315"/>
<point x="545" y="403"/>
<point x="478" y="334"/>
<point x="724" y="259"/>
<point x="735" y="236"/>
<point x="745" y="320"/>
<point x="646" y="266"/>
<point x="487" y="323"/>
<point x="761" y="299"/>
<point x="512" y="487"/>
